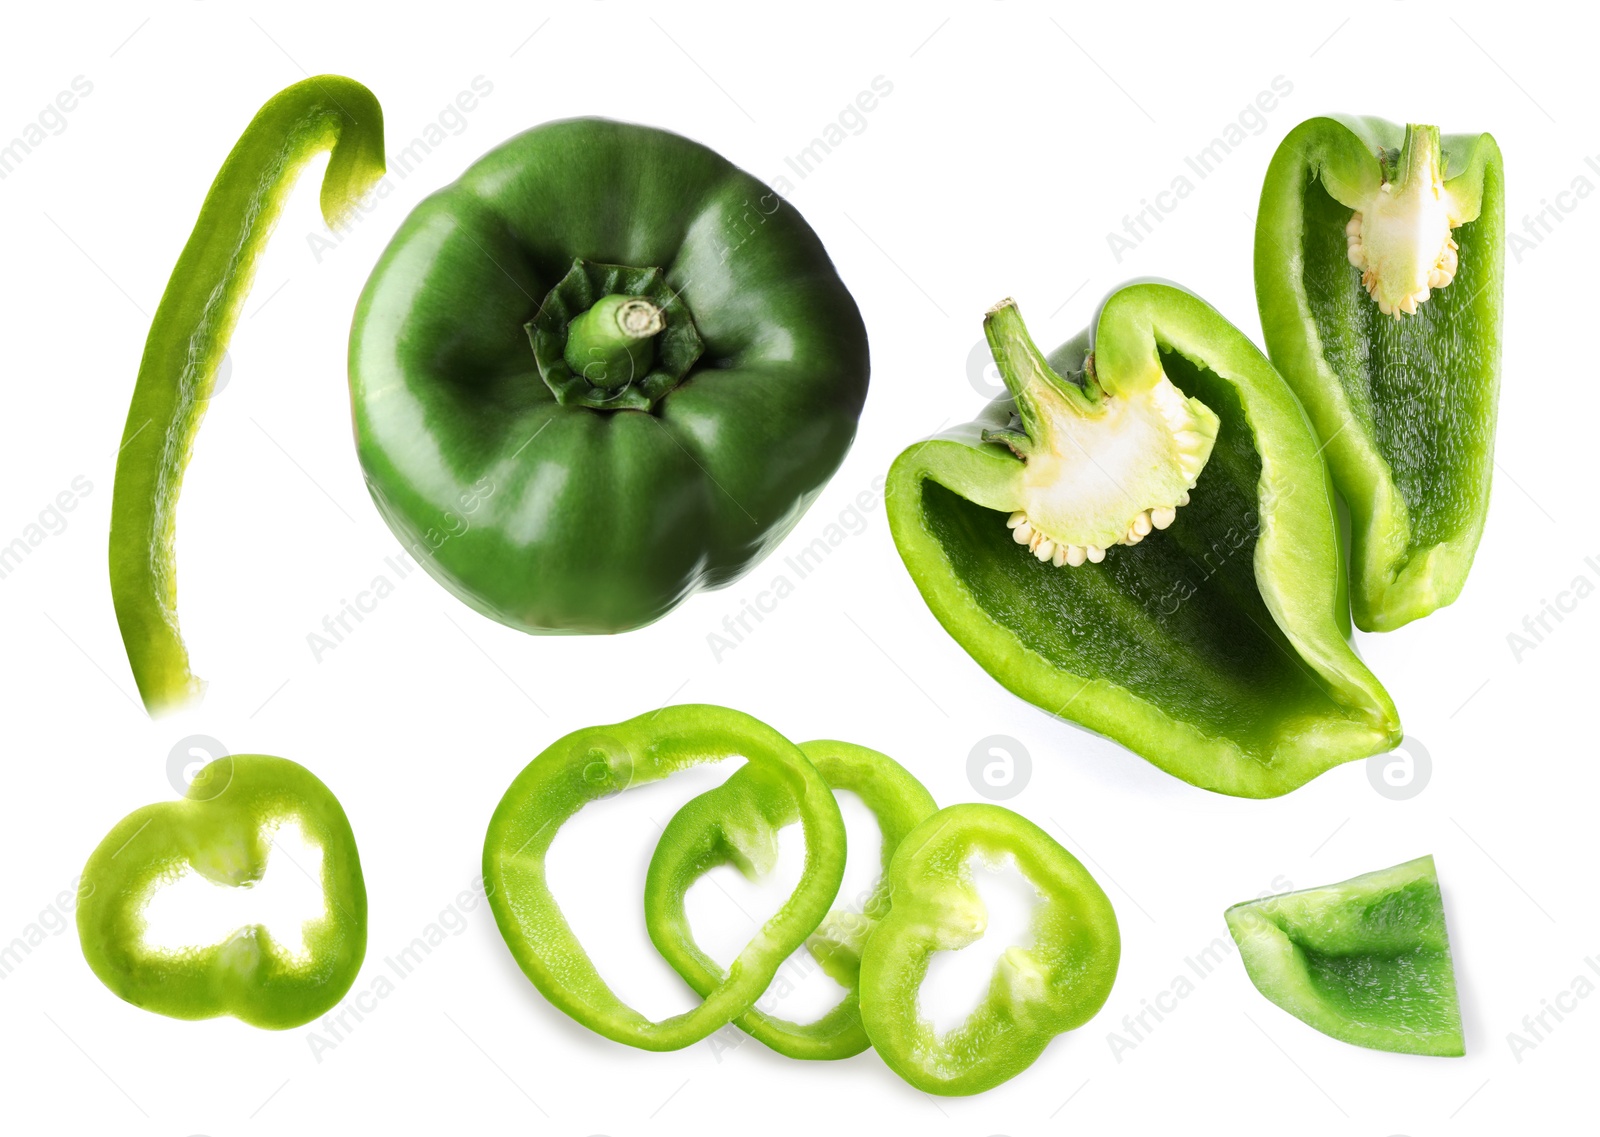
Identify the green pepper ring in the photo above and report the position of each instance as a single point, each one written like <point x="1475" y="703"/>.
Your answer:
<point x="215" y="830"/>
<point x="1057" y="983"/>
<point x="598" y="761"/>
<point x="707" y="831"/>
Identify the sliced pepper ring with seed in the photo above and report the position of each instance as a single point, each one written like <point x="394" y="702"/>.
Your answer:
<point x="737" y="823"/>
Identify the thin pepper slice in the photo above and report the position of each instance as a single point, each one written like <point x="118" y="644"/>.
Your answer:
<point x="590" y="764"/>
<point x="1055" y="983"/>
<point x="190" y="335"/>
<point x="1366" y="961"/>
<point x="1379" y="265"/>
<point x="224" y="832"/>
<point x="737" y="823"/>
<point x="1214" y="642"/>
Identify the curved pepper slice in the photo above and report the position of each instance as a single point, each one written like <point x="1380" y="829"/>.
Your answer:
<point x="1214" y="647"/>
<point x="737" y="823"/>
<point x="1366" y="961"/>
<point x="557" y="471"/>
<point x="189" y="337"/>
<point x="1380" y="255"/>
<point x="1055" y="983"/>
<point x="599" y="761"/>
<point x="224" y="832"/>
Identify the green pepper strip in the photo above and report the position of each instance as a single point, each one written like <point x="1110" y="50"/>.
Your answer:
<point x="190" y="335"/>
<point x="223" y="830"/>
<point x="1054" y="984"/>
<point x="594" y="763"/>
<point x="737" y="823"/>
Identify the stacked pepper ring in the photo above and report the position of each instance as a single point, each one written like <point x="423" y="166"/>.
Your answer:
<point x="1053" y="983"/>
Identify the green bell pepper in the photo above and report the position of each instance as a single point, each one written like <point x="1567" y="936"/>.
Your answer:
<point x="1171" y="577"/>
<point x="737" y="823"/>
<point x="1379" y="259"/>
<point x="1366" y="961"/>
<point x="603" y="760"/>
<point x="1056" y="983"/>
<point x="224" y="832"/>
<point x="189" y="337"/>
<point x="550" y="456"/>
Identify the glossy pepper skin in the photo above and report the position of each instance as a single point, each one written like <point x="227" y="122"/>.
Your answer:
<point x="600" y="761"/>
<point x="1366" y="961"/>
<point x="1056" y="983"/>
<point x="189" y="337"/>
<point x="1405" y="402"/>
<point x="737" y="823"/>
<point x="562" y="498"/>
<point x="223" y="831"/>
<point x="1215" y="648"/>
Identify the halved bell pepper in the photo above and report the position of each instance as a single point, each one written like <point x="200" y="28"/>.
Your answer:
<point x="1366" y="961"/>
<point x="224" y="832"/>
<point x="1140" y="537"/>
<point x="601" y="371"/>
<point x="1055" y="983"/>
<point x="597" y="762"/>
<point x="737" y="823"/>
<point x="1379" y="262"/>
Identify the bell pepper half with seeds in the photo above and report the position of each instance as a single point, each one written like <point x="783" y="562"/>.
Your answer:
<point x="1140" y="537"/>
<point x="1379" y="260"/>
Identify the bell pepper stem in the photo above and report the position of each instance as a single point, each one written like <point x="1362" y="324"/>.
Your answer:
<point x="189" y="337"/>
<point x="613" y="343"/>
<point x="1419" y="158"/>
<point x="1033" y="383"/>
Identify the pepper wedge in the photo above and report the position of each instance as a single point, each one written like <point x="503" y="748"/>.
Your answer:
<point x="1366" y="961"/>
<point x="1215" y="648"/>
<point x="1404" y="401"/>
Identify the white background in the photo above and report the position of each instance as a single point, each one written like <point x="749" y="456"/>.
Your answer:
<point x="1014" y="140"/>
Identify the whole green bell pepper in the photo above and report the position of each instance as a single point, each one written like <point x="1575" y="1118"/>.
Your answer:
<point x="1056" y="983"/>
<point x="737" y="823"/>
<point x="1379" y="261"/>
<point x="597" y="762"/>
<point x="224" y="831"/>
<point x="1366" y="961"/>
<point x="189" y="337"/>
<point x="562" y="460"/>
<point x="1171" y="574"/>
